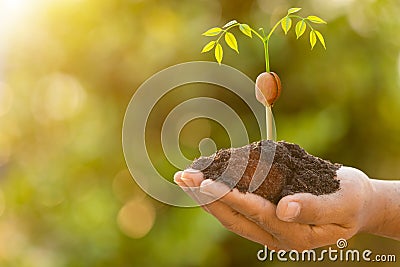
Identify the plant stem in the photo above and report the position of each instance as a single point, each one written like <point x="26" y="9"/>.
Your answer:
<point x="268" y="108"/>
<point x="274" y="28"/>
<point x="270" y="123"/>
<point x="266" y="44"/>
<point x="257" y="34"/>
<point x="266" y="54"/>
<point x="269" y="119"/>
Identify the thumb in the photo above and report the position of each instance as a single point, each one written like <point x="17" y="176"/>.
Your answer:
<point x="307" y="208"/>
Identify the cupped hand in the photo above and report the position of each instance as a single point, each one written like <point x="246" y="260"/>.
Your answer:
<point x="300" y="221"/>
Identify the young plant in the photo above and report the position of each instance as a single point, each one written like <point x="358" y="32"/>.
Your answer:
<point x="268" y="85"/>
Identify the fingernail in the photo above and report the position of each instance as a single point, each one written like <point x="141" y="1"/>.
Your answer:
<point x="190" y="170"/>
<point x="292" y="211"/>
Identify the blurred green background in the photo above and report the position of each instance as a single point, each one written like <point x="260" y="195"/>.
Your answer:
<point x="68" y="69"/>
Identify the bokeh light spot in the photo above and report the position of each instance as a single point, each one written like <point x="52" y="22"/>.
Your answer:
<point x="136" y="218"/>
<point x="57" y="97"/>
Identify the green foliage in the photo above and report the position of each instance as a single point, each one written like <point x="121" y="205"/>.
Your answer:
<point x="219" y="53"/>
<point x="231" y="41"/>
<point x="293" y="10"/>
<point x="320" y="38"/>
<point x="300" y="28"/>
<point x="285" y="22"/>
<point x="316" y="19"/>
<point x="208" y="47"/>
<point x="313" y="39"/>
<point x="244" y="28"/>
<point x="213" y="31"/>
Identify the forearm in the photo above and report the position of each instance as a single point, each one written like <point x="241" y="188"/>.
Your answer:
<point x="384" y="210"/>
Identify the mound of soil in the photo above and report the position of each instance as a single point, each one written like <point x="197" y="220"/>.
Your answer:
<point x="270" y="169"/>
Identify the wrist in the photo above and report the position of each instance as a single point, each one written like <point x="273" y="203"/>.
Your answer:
<point x="374" y="208"/>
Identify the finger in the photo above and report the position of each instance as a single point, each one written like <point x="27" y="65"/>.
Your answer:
<point x="337" y="207"/>
<point x="177" y="176"/>
<point x="190" y="184"/>
<point x="194" y="180"/>
<point x="192" y="177"/>
<point x="188" y="178"/>
<point x="253" y="207"/>
<point x="178" y="180"/>
<point x="327" y="234"/>
<point x="239" y="224"/>
<point x="214" y="189"/>
<point x="308" y="209"/>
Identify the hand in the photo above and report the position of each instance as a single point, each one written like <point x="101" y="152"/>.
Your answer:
<point x="300" y="221"/>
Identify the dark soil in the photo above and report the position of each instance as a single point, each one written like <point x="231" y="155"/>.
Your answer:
<point x="293" y="170"/>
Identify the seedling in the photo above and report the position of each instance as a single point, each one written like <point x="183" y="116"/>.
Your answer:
<point x="268" y="85"/>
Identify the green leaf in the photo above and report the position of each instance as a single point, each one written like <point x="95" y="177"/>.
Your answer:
<point x="320" y="38"/>
<point x="300" y="28"/>
<point x="244" y="28"/>
<point x="231" y="41"/>
<point x="313" y="39"/>
<point x="293" y="10"/>
<point x="316" y="19"/>
<point x="230" y="23"/>
<point x="219" y="53"/>
<point x="208" y="47"/>
<point x="213" y="31"/>
<point x="286" y="24"/>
